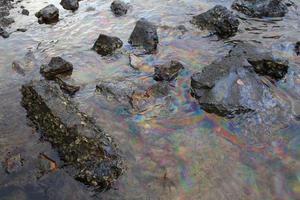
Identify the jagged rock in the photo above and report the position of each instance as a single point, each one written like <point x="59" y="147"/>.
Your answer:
<point x="70" y="4"/>
<point x="48" y="15"/>
<point x="21" y="30"/>
<point x="81" y="144"/>
<point x="261" y="8"/>
<point x="106" y="45"/>
<point x="119" y="8"/>
<point x="25" y="12"/>
<point x="66" y="87"/>
<point x="168" y="71"/>
<point x="219" y="20"/>
<point x="4" y="33"/>
<point x="230" y="86"/>
<point x="56" y="66"/>
<point x="144" y="35"/>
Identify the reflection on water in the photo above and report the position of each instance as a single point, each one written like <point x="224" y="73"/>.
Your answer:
<point x="176" y="153"/>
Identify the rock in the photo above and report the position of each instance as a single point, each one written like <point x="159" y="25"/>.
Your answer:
<point x="56" y="66"/>
<point x="230" y="86"/>
<point x="25" y="12"/>
<point x="168" y="71"/>
<point x="106" y="45"/>
<point x="16" y="66"/>
<point x="139" y="63"/>
<point x="119" y="8"/>
<point x="86" y="149"/>
<point x="70" y="4"/>
<point x="4" y="33"/>
<point x="297" y="48"/>
<point x="219" y="20"/>
<point x="13" y="163"/>
<point x="48" y="15"/>
<point x="67" y="88"/>
<point x="144" y="35"/>
<point x="21" y="30"/>
<point x="6" y="21"/>
<point x="5" y="6"/>
<point x="261" y="8"/>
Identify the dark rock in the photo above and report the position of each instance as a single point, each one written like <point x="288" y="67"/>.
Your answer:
<point x="21" y="30"/>
<point x="230" y="86"/>
<point x="261" y="8"/>
<point x="119" y="8"/>
<point x="67" y="88"/>
<point x="4" y="33"/>
<point x="82" y="145"/>
<point x="25" y="12"/>
<point x="106" y="45"/>
<point x="297" y="48"/>
<point x="144" y="35"/>
<point x="168" y="71"/>
<point x="70" y="4"/>
<point x="6" y="21"/>
<point x="219" y="20"/>
<point x="48" y="15"/>
<point x="56" y="66"/>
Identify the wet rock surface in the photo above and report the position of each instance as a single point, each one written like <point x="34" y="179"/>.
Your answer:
<point x="70" y="4"/>
<point x="261" y="8"/>
<point x="56" y="66"/>
<point x="144" y="35"/>
<point x="48" y="15"/>
<point x="88" y="152"/>
<point x="119" y="8"/>
<point x="106" y="45"/>
<point x="219" y="20"/>
<point x="168" y="71"/>
<point x="4" y="33"/>
<point x="66" y="87"/>
<point x="231" y="86"/>
<point x="297" y="48"/>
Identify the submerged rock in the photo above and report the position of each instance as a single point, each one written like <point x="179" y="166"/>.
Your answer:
<point x="106" y="45"/>
<point x="56" y="66"/>
<point x="48" y="15"/>
<point x="66" y="87"/>
<point x="167" y="71"/>
<point x="70" y="4"/>
<point x="297" y="48"/>
<point x="144" y="35"/>
<point x="4" y="33"/>
<point x="261" y="8"/>
<point x="230" y="86"/>
<point x="219" y="20"/>
<point x="85" y="148"/>
<point x="119" y="8"/>
<point x="17" y="67"/>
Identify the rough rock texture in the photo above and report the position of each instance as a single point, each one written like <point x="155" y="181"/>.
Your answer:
<point x="168" y="71"/>
<point x="119" y="8"/>
<point x="56" y="66"/>
<point x="106" y="45"/>
<point x="230" y="86"/>
<point x="4" y="33"/>
<point x="261" y="8"/>
<point x="70" y="4"/>
<point x="144" y="35"/>
<point x="5" y="6"/>
<point x="219" y="20"/>
<point x="25" y="12"/>
<point x="48" y="15"/>
<point x="90" y="154"/>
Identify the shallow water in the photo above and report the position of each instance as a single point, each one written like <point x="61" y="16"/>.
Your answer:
<point x="178" y="152"/>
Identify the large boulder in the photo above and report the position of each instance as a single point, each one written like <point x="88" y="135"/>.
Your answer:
<point x="90" y="153"/>
<point x="56" y="66"/>
<point x="230" y="86"/>
<point x="48" y="15"/>
<point x="167" y="71"/>
<point x="119" y="8"/>
<point x="261" y="8"/>
<point x="70" y="4"/>
<point x="106" y="45"/>
<point x="144" y="35"/>
<point x="219" y="20"/>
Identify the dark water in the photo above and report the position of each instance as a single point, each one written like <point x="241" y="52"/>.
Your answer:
<point x="172" y="152"/>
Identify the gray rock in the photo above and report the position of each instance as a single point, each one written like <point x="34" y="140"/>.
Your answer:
<point x="48" y="15"/>
<point x="261" y="8"/>
<point x="168" y="71"/>
<point x="56" y="66"/>
<point x="70" y="4"/>
<point x="219" y="20"/>
<point x="25" y="12"/>
<point x="4" y="33"/>
<point x="144" y="35"/>
<point x="119" y="8"/>
<point x="106" y="45"/>
<point x="81" y="144"/>
<point x="6" y="21"/>
<point x="230" y="86"/>
<point x="66" y="87"/>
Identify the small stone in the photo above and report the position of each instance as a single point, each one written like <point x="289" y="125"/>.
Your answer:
<point x="48" y="15"/>
<point x="56" y="66"/>
<point x="4" y="33"/>
<point x="21" y="30"/>
<point x="16" y="66"/>
<point x="106" y="45"/>
<point x="13" y="163"/>
<point x="119" y="8"/>
<point x="67" y="88"/>
<point x="25" y="12"/>
<point x="168" y="71"/>
<point x="70" y="4"/>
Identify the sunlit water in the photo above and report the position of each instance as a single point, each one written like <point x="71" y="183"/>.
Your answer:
<point x="179" y="152"/>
